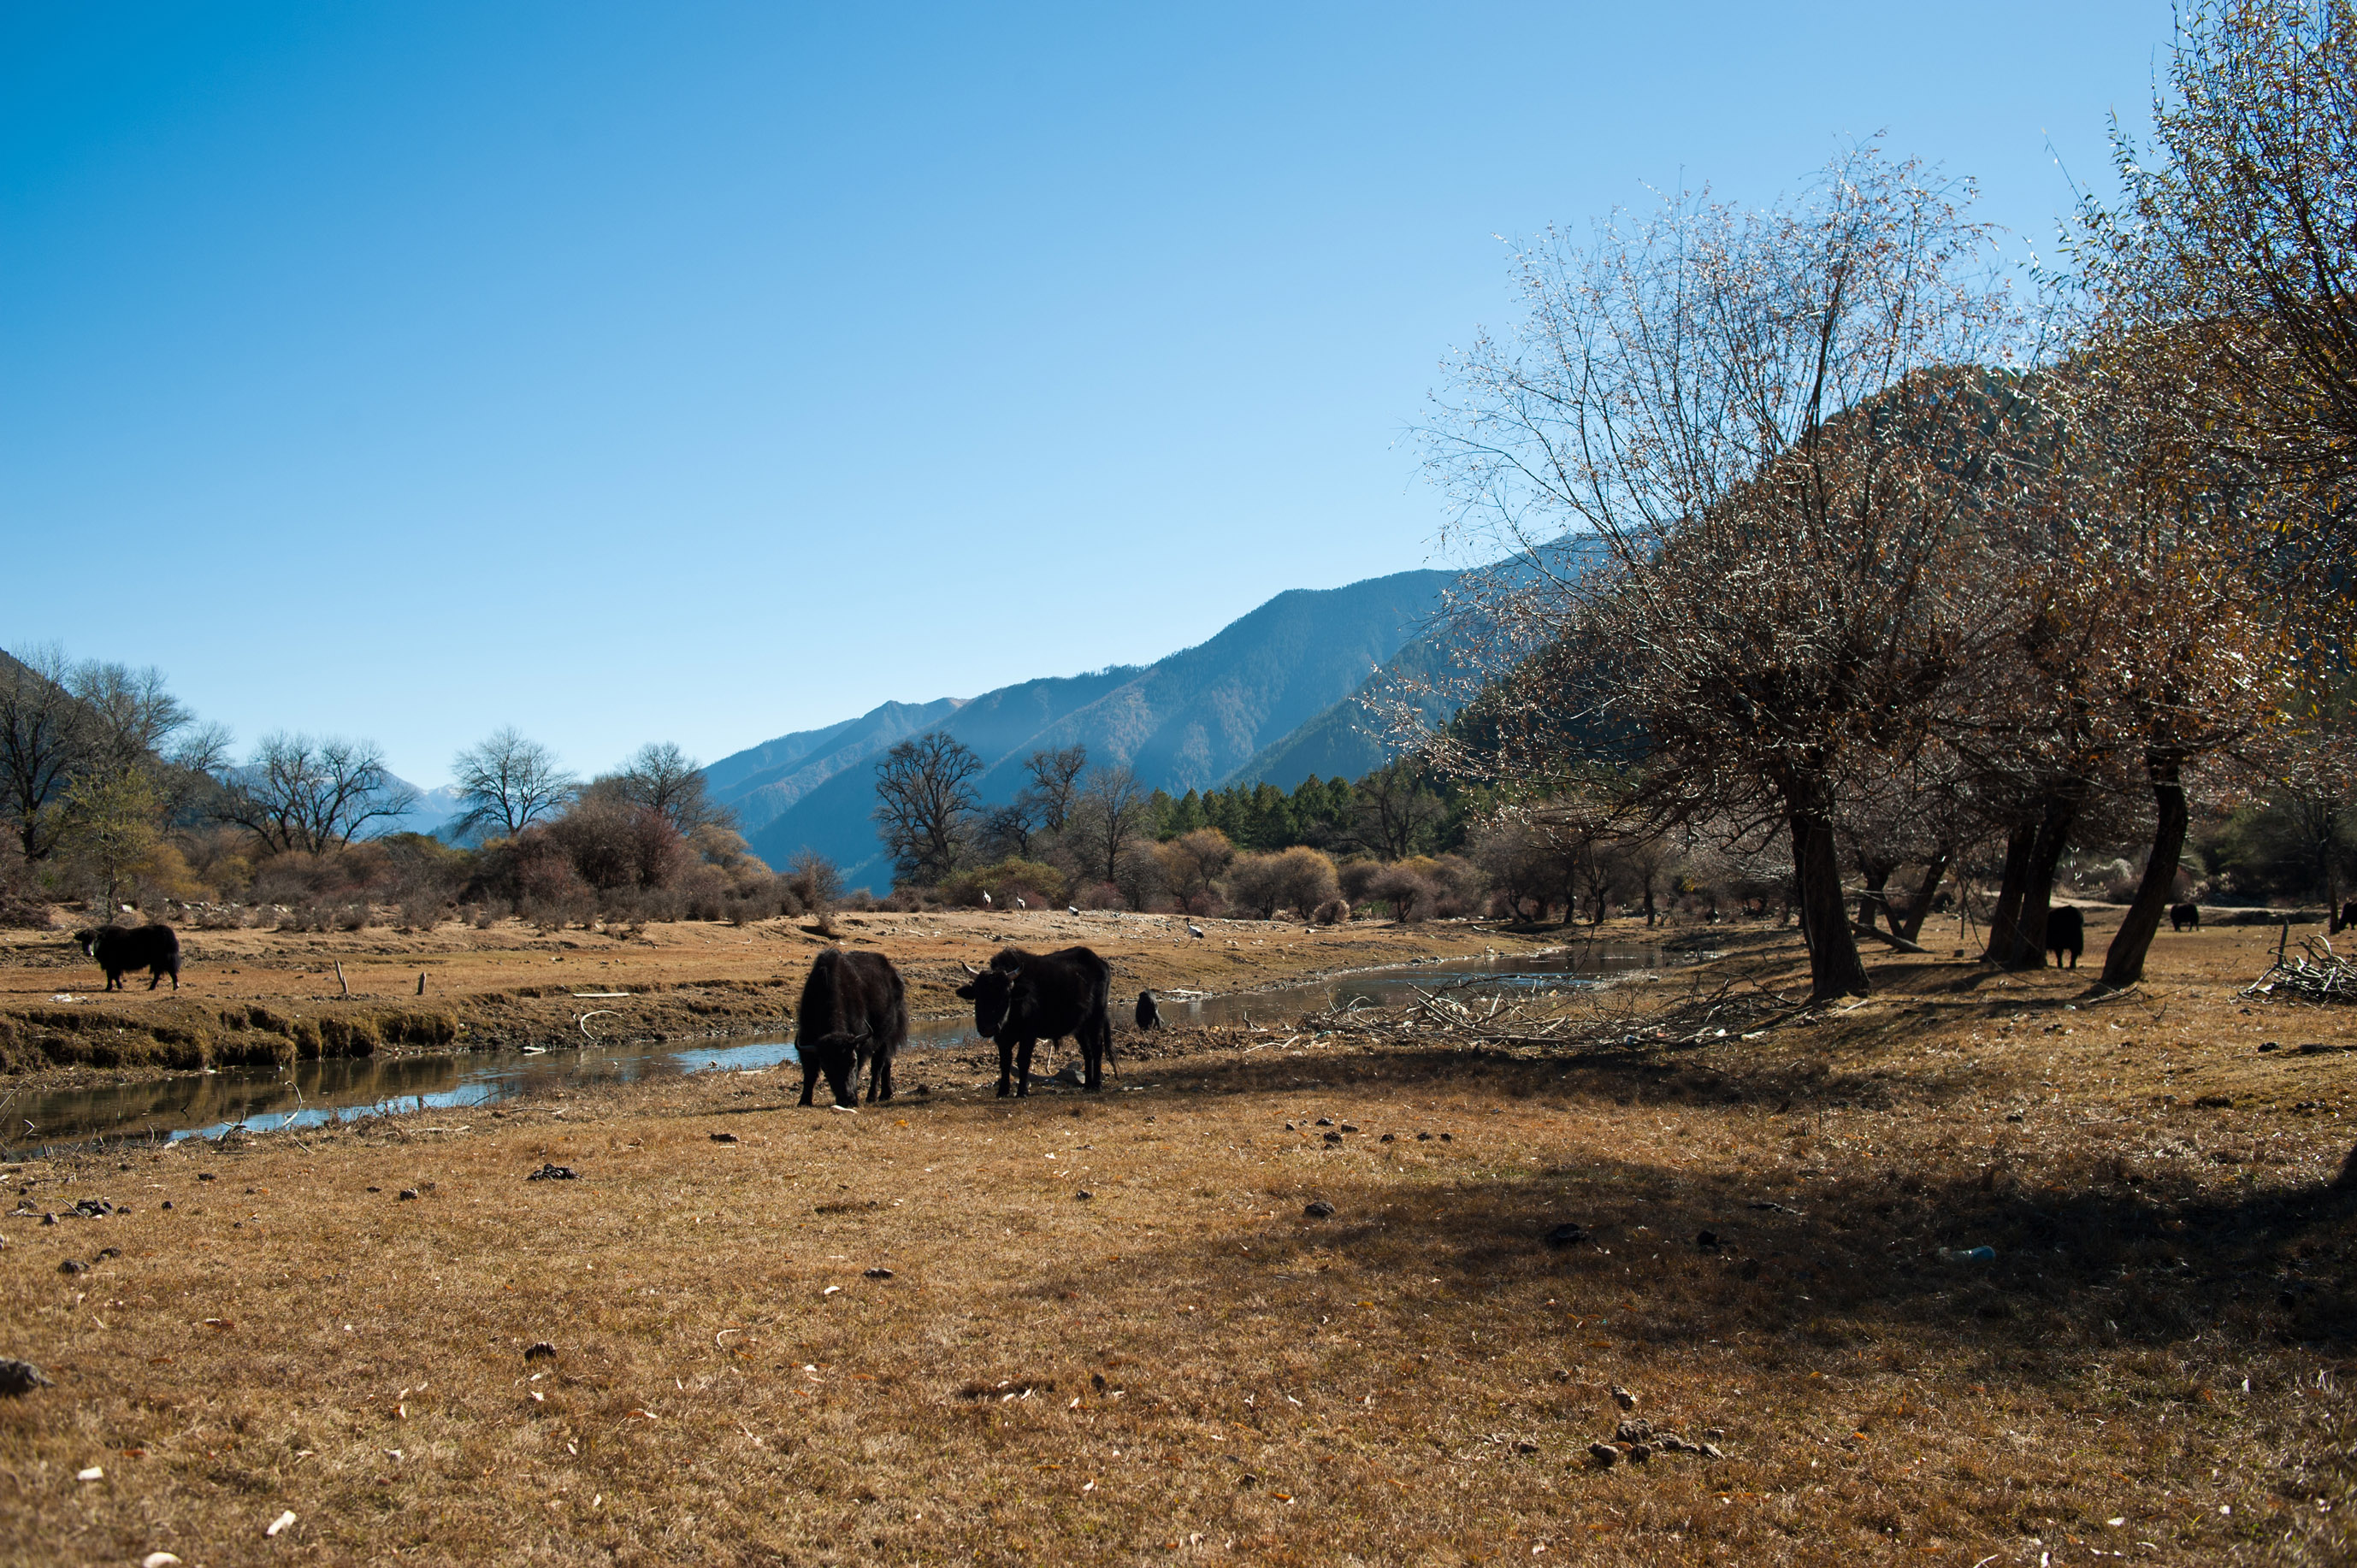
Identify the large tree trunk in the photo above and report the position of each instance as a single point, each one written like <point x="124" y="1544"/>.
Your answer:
<point x="2123" y="959"/>
<point x="2009" y="890"/>
<point x="1920" y="905"/>
<point x="1834" y="968"/>
<point x="2038" y="886"/>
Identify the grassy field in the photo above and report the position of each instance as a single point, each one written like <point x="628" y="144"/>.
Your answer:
<point x="263" y="997"/>
<point x="1183" y="1364"/>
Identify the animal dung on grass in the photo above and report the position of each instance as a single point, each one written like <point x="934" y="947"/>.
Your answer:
<point x="878" y="1275"/>
<point x="552" y="1172"/>
<point x="540" y="1350"/>
<point x="18" y="1378"/>
<point x="407" y="1195"/>
<point x="1623" y="1398"/>
<point x="723" y="1137"/>
<point x="1319" y="1210"/>
<point x="1604" y="1453"/>
<point x="1567" y="1235"/>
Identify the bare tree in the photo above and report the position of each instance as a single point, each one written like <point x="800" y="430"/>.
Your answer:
<point x="1112" y="809"/>
<point x="133" y="714"/>
<point x="45" y="738"/>
<point x="301" y="794"/>
<point x="925" y="803"/>
<point x="1769" y="423"/>
<point x="507" y="782"/>
<point x="2231" y="264"/>
<point x="661" y="777"/>
<point x="1396" y="806"/>
<point x="1055" y="786"/>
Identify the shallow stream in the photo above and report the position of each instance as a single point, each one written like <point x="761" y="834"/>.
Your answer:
<point x="309" y="1093"/>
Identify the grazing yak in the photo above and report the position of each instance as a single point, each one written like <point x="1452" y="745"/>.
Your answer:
<point x="1149" y="1016"/>
<point x="2349" y="913"/>
<point x="121" y="949"/>
<point x="853" y="1011"/>
<point x="1024" y="998"/>
<point x="2066" y="931"/>
<point x="2182" y="916"/>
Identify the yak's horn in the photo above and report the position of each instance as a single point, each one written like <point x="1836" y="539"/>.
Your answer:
<point x="970" y="969"/>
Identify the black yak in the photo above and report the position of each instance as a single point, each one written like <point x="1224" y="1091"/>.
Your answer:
<point x="2066" y="931"/>
<point x="853" y="1011"/>
<point x="1024" y="998"/>
<point x="120" y="949"/>
<point x="2182" y="916"/>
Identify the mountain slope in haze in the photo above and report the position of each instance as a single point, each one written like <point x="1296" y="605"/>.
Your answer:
<point x="761" y="783"/>
<point x="1182" y="723"/>
<point x="1346" y="739"/>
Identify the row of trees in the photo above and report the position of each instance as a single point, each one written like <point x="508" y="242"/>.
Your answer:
<point x="1098" y="825"/>
<point x="114" y="791"/>
<point x="1887" y="558"/>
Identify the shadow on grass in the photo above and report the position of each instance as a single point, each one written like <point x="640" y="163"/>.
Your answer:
<point x="2098" y="1238"/>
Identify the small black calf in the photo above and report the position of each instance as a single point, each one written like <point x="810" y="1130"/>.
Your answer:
<point x="2182" y="917"/>
<point x="121" y="949"/>
<point x="2066" y="931"/>
<point x="1149" y="1016"/>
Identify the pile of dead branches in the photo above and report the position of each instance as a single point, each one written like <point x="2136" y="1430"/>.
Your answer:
<point x="2315" y="974"/>
<point x="1465" y="1020"/>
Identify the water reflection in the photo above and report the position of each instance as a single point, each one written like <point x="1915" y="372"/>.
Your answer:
<point x="311" y="1093"/>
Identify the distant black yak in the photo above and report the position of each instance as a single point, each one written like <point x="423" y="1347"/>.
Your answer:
<point x="1024" y="998"/>
<point x="854" y="1012"/>
<point x="2182" y="916"/>
<point x="121" y="949"/>
<point x="2066" y="931"/>
<point x="1149" y="1016"/>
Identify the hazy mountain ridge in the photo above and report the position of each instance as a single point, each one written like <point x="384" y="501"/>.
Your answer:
<point x="1189" y="721"/>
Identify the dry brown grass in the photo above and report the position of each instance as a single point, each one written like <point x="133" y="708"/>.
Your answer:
<point x="1184" y="1366"/>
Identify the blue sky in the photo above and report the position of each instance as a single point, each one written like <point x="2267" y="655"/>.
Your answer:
<point x="706" y="372"/>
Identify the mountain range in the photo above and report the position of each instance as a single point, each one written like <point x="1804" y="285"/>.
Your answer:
<point x="1274" y="695"/>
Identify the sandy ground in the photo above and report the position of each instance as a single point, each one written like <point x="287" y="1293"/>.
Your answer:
<point x="1114" y="1328"/>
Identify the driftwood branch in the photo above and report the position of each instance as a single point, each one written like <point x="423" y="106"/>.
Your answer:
<point x="1901" y="943"/>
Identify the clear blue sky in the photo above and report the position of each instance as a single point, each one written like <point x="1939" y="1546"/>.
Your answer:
<point x="706" y="372"/>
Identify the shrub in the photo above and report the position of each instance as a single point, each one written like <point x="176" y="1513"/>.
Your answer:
<point x="814" y="879"/>
<point x="1355" y="876"/>
<point x="22" y="901"/>
<point x="612" y="844"/>
<point x="1409" y="895"/>
<point x="1040" y="886"/>
<point x="1297" y="878"/>
<point x="704" y="893"/>
<point x="1333" y="912"/>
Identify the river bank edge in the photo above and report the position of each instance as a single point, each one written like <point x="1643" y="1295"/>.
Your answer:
<point x="135" y="1038"/>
